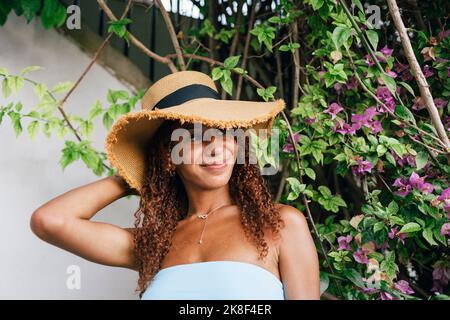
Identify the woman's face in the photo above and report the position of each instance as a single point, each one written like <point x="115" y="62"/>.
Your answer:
<point x="208" y="156"/>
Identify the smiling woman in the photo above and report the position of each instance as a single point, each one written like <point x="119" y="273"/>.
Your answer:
<point x="251" y="247"/>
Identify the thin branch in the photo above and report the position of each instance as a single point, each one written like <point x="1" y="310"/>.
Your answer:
<point x="417" y="72"/>
<point x="136" y="42"/>
<point x="94" y="58"/>
<point x="246" y="48"/>
<point x="172" y="34"/>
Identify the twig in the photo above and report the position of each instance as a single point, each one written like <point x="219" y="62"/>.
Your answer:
<point x="136" y="42"/>
<point x="246" y="48"/>
<point x="172" y="34"/>
<point x="94" y="59"/>
<point x="417" y="72"/>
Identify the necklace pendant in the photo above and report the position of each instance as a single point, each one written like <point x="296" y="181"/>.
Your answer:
<point x="202" y="216"/>
<point x="200" y="242"/>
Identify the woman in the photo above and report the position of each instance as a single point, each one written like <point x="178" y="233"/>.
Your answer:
<point x="206" y="227"/>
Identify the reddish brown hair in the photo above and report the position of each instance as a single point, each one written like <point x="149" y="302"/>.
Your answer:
<point x="164" y="203"/>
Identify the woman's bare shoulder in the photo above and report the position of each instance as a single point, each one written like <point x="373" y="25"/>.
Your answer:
<point x="290" y="214"/>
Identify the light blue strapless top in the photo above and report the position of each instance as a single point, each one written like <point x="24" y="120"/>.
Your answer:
<point x="214" y="280"/>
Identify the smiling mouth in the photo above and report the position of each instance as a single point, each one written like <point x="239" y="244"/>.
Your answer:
<point x="214" y="165"/>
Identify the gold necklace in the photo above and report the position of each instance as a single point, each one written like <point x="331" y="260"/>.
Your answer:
<point x="205" y="216"/>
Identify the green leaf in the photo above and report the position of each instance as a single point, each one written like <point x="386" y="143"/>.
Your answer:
<point x="70" y="154"/>
<point x="355" y="277"/>
<point x="310" y="173"/>
<point x="421" y="160"/>
<point x="239" y="70"/>
<point x="428" y="235"/>
<point x="6" y="90"/>
<point x="325" y="191"/>
<point x="15" y="83"/>
<point x="404" y="113"/>
<point x="410" y="227"/>
<point x="53" y="14"/>
<point x="372" y="35"/>
<point x="16" y="122"/>
<point x="30" y="69"/>
<point x="296" y="187"/>
<point x="324" y="282"/>
<point x="389" y="266"/>
<point x="4" y="71"/>
<point x="33" y="128"/>
<point x="62" y="87"/>
<point x="389" y="82"/>
<point x="40" y="90"/>
<point x="226" y="82"/>
<point x="107" y="120"/>
<point x="407" y="87"/>
<point x="316" y="4"/>
<point x="95" y="111"/>
<point x="340" y="35"/>
<point x="86" y="128"/>
<point x="30" y="8"/>
<point x="231" y="62"/>
<point x="216" y="73"/>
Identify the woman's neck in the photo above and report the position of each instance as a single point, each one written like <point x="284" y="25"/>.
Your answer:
<point x="202" y="200"/>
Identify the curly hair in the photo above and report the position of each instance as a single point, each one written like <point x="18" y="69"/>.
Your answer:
<point x="164" y="203"/>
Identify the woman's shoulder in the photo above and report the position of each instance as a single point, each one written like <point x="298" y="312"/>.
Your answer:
<point x="290" y="214"/>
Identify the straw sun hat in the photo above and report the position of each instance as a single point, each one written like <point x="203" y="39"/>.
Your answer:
<point x="187" y="96"/>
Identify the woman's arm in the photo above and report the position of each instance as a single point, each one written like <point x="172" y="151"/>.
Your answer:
<point x="65" y="222"/>
<point x="298" y="260"/>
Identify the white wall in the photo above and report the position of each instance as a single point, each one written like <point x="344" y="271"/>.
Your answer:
<point x="30" y="174"/>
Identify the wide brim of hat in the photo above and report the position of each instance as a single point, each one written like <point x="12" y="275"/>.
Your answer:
<point x="127" y="141"/>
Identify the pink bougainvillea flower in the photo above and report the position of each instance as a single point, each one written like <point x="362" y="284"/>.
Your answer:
<point x="391" y="74"/>
<point x="441" y="276"/>
<point x="360" y="256"/>
<point x="404" y="188"/>
<point x="415" y="181"/>
<point x="386" y="96"/>
<point x="406" y="159"/>
<point x="393" y="233"/>
<point x="427" y="72"/>
<point x="369" y="60"/>
<point x="309" y="121"/>
<point x="419" y="183"/>
<point x="403" y="287"/>
<point x="343" y="128"/>
<point x="448" y="72"/>
<point x="338" y="87"/>
<point x="375" y="126"/>
<point x="445" y="197"/>
<point x="368" y="290"/>
<point x="440" y="103"/>
<point x="362" y="167"/>
<point x="333" y="109"/>
<point x="366" y="119"/>
<point x="352" y="83"/>
<point x="447" y="122"/>
<point x="444" y="34"/>
<point x="289" y="147"/>
<point x="400" y="67"/>
<point x="445" y="229"/>
<point x="386" y="296"/>
<point x="344" y="242"/>
<point x="403" y="71"/>
<point x="387" y="52"/>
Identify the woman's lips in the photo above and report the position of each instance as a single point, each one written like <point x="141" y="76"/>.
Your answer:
<point x="214" y="165"/>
